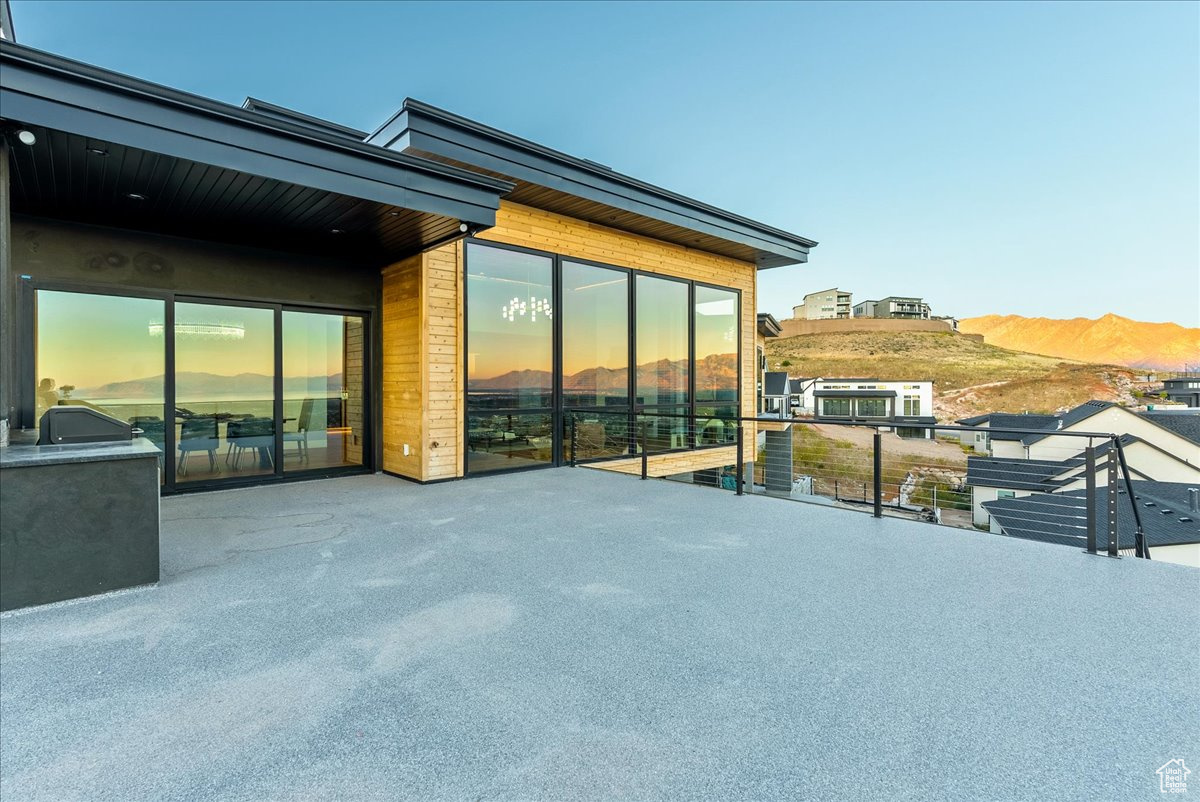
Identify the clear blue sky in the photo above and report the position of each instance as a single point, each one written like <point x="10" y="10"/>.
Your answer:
<point x="1036" y="159"/>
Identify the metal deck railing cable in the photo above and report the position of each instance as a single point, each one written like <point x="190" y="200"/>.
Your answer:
<point x="1064" y="494"/>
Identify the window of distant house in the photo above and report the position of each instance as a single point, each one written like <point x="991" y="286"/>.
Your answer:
<point x="835" y="407"/>
<point x="1005" y="494"/>
<point x="872" y="407"/>
<point x="912" y="405"/>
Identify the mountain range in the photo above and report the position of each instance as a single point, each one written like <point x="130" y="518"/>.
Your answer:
<point x="722" y="367"/>
<point x="1111" y="340"/>
<point x="200" y="385"/>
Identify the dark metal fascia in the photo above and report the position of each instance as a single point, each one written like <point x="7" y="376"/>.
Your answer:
<point x="27" y="70"/>
<point x="452" y="136"/>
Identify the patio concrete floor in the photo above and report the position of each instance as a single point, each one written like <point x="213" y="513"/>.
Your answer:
<point x="575" y="634"/>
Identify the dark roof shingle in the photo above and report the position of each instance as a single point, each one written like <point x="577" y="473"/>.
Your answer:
<point x="1184" y="424"/>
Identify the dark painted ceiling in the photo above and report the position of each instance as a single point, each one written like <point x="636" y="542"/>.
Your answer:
<point x="75" y="178"/>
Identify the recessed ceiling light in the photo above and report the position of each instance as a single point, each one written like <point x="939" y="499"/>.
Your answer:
<point x="462" y="227"/>
<point x="135" y="196"/>
<point x="336" y="231"/>
<point x="27" y="137"/>
<point x="97" y="151"/>
<point x="394" y="214"/>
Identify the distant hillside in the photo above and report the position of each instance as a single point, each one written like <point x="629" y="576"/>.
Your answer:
<point x="969" y="376"/>
<point x="719" y="367"/>
<point x="195" y="385"/>
<point x="1111" y="339"/>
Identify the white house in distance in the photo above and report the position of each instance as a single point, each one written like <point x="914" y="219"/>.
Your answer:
<point x="828" y="304"/>
<point x="1106" y="416"/>
<point x="868" y="401"/>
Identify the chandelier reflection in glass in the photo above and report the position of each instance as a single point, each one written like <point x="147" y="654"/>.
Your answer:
<point x="533" y="306"/>
<point x="217" y="331"/>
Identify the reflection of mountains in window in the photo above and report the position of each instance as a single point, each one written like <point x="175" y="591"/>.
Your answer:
<point x="201" y="385"/>
<point x="716" y="369"/>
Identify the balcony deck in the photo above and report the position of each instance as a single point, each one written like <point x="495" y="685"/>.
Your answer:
<point x="580" y="634"/>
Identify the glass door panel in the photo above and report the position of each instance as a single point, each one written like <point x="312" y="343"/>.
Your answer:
<point x="716" y="365"/>
<point x="105" y="352"/>
<point x="510" y="349"/>
<point x="595" y="336"/>
<point x="224" y="392"/>
<point x="323" y="391"/>
<point x="662" y="341"/>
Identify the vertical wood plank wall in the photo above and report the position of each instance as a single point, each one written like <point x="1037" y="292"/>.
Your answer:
<point x="423" y="336"/>
<point x="402" y="371"/>
<point x="422" y="365"/>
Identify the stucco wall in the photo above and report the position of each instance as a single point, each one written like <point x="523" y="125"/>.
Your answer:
<point x="793" y="327"/>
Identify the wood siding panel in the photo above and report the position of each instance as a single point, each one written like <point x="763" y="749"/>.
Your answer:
<point x="669" y="464"/>
<point x="442" y="345"/>
<point x="402" y="384"/>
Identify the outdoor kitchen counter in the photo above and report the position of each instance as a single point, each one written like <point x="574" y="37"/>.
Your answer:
<point x="21" y="456"/>
<point x="78" y="520"/>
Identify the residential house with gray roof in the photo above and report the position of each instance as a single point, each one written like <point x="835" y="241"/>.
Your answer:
<point x="1168" y="514"/>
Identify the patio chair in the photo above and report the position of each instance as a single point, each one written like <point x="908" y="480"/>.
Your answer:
<point x="252" y="433"/>
<point x="303" y="426"/>
<point x="198" y="434"/>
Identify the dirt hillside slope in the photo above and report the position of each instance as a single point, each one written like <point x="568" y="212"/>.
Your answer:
<point x="969" y="377"/>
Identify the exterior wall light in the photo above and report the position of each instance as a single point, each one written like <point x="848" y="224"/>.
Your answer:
<point x="135" y="196"/>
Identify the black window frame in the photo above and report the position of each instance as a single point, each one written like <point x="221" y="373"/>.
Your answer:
<point x="558" y="409"/>
<point x="27" y="302"/>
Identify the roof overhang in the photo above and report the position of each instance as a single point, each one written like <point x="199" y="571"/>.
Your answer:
<point x="551" y="180"/>
<point x="768" y="326"/>
<point x="213" y="168"/>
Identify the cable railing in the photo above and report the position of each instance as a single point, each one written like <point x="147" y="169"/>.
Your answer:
<point x="1065" y="487"/>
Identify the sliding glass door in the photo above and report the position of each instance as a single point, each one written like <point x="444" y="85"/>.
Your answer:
<point x="323" y="394"/>
<point x="225" y="417"/>
<point x="228" y="391"/>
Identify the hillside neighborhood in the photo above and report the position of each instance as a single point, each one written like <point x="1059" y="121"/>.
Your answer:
<point x="1024" y="471"/>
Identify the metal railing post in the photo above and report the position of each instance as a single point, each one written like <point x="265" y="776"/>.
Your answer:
<point x="1090" y="457"/>
<point x="1139" y="535"/>
<point x="645" y="456"/>
<point x="741" y="460"/>
<point x="877" y="476"/>
<point x="573" y="439"/>
<point x="1114" y="548"/>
